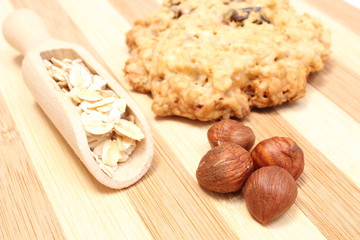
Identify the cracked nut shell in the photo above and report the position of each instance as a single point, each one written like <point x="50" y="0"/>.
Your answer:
<point x="225" y="168"/>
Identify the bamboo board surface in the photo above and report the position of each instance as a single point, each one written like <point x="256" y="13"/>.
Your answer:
<point x="46" y="192"/>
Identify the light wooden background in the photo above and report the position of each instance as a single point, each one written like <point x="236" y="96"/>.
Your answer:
<point x="46" y="193"/>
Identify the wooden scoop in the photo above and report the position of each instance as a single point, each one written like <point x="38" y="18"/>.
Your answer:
<point x="25" y="31"/>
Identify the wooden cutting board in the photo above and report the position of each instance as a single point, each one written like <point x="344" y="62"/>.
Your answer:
<point x="45" y="191"/>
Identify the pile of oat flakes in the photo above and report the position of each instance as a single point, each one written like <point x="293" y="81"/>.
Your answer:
<point x="111" y="132"/>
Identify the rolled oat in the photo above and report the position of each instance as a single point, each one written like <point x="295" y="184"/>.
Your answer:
<point x="110" y="130"/>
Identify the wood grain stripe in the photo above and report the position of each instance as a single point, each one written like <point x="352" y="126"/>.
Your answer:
<point x="26" y="212"/>
<point x="341" y="71"/>
<point x="322" y="185"/>
<point x="171" y="194"/>
<point x="135" y="9"/>
<point x="61" y="20"/>
<point x="343" y="79"/>
<point x="340" y="144"/>
<point x="341" y="11"/>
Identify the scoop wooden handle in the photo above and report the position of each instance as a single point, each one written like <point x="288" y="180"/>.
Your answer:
<point x="23" y="29"/>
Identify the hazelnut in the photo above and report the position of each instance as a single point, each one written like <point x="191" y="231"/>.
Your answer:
<point x="225" y="168"/>
<point x="229" y="130"/>
<point x="269" y="192"/>
<point x="279" y="151"/>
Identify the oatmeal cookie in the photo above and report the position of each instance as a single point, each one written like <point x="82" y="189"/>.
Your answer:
<point x="210" y="59"/>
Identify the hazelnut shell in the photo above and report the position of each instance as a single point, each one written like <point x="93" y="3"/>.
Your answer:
<point x="269" y="192"/>
<point x="230" y="130"/>
<point x="225" y="168"/>
<point x="279" y="151"/>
